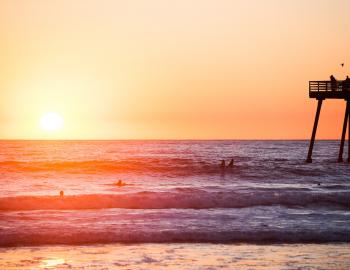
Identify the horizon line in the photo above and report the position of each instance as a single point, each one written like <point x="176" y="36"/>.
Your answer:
<point x="4" y="140"/>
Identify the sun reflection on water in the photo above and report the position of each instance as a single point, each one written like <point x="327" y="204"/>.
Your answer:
<point x="51" y="262"/>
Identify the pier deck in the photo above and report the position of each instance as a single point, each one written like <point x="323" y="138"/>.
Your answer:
<point x="328" y="89"/>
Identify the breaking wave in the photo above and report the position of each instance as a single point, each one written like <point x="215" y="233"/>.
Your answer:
<point x="179" y="198"/>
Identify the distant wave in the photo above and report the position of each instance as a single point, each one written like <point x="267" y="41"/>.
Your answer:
<point x="138" y="165"/>
<point x="180" y="198"/>
<point x="162" y="166"/>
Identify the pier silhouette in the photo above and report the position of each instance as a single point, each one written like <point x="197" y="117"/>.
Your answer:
<point x="332" y="89"/>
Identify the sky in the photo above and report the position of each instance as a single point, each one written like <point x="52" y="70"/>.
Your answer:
<point x="159" y="69"/>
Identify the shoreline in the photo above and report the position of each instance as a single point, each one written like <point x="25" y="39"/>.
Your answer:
<point x="177" y="256"/>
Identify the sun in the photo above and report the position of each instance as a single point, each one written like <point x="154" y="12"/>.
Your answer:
<point x="51" y="121"/>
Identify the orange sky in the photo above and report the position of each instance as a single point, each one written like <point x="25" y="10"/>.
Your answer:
<point x="162" y="69"/>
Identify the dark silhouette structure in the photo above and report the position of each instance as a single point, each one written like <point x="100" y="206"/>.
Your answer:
<point x="332" y="89"/>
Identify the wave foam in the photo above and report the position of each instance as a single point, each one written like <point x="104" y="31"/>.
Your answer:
<point x="189" y="199"/>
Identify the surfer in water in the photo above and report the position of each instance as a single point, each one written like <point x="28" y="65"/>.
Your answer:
<point x="120" y="183"/>
<point x="230" y="165"/>
<point x="61" y="193"/>
<point x="222" y="165"/>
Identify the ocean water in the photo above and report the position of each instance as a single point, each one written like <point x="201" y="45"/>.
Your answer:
<point x="175" y="192"/>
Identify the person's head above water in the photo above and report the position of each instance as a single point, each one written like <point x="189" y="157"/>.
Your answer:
<point x="231" y="163"/>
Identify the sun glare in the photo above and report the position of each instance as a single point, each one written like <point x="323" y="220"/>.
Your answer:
<point x="51" y="122"/>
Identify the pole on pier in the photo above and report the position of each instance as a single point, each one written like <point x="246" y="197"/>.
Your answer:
<point x="348" y="105"/>
<point x="346" y="116"/>
<point x="317" y="116"/>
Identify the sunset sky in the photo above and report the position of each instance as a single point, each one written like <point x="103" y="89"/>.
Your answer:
<point x="184" y="69"/>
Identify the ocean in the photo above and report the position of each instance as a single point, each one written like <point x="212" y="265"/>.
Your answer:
<point x="176" y="196"/>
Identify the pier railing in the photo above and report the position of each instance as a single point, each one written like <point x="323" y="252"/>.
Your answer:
<point x="329" y="89"/>
<point x="323" y="86"/>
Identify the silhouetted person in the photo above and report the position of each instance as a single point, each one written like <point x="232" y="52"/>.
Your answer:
<point x="120" y="183"/>
<point x="61" y="193"/>
<point x="222" y="165"/>
<point x="231" y="163"/>
<point x="346" y="84"/>
<point x="333" y="83"/>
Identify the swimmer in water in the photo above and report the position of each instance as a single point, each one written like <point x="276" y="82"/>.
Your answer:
<point x="120" y="183"/>
<point x="61" y="193"/>
<point x="231" y="163"/>
<point x="222" y="165"/>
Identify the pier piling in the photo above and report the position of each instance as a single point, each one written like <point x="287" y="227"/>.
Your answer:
<point x="312" y="141"/>
<point x="322" y="90"/>
<point x="341" y="149"/>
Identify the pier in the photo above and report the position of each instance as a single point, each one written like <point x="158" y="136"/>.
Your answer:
<point x="322" y="90"/>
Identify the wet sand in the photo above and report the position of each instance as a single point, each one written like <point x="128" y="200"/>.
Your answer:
<point x="177" y="256"/>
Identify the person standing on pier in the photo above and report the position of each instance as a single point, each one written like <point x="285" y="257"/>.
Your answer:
<point x="346" y="84"/>
<point x="333" y="83"/>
